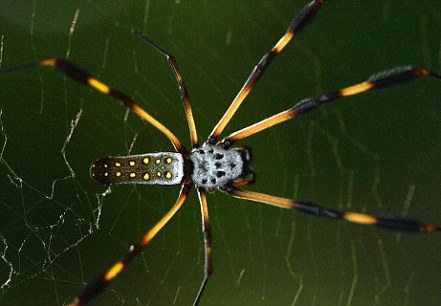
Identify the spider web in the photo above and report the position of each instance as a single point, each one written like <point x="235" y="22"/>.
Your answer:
<point x="378" y="152"/>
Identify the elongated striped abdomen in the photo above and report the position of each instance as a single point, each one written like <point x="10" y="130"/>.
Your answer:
<point x="161" y="168"/>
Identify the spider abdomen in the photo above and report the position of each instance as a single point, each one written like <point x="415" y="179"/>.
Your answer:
<point x="161" y="168"/>
<point x="215" y="166"/>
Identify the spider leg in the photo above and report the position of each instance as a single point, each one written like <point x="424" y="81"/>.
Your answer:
<point x="74" y="72"/>
<point x="380" y="80"/>
<point x="208" y="259"/>
<point x="185" y="97"/>
<point x="248" y="179"/>
<point x="300" y="20"/>
<point x="94" y="288"/>
<point x="308" y="207"/>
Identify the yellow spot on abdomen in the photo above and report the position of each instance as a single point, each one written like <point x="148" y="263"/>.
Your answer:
<point x="168" y="175"/>
<point x="132" y="174"/>
<point x="146" y="160"/>
<point x="146" y="177"/>
<point x="98" y="85"/>
<point x="132" y="163"/>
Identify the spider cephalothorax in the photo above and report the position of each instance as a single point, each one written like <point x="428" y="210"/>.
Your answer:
<point x="215" y="166"/>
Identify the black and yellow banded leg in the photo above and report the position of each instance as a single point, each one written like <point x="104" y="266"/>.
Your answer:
<point x="383" y="79"/>
<point x="303" y="18"/>
<point x="185" y="96"/>
<point x="311" y="208"/>
<point x="81" y="76"/>
<point x="94" y="288"/>
<point x="208" y="256"/>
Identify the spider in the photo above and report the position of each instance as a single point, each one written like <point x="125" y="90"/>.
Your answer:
<point x="217" y="164"/>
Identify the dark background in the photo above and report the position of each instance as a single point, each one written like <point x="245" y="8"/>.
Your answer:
<point x="377" y="152"/>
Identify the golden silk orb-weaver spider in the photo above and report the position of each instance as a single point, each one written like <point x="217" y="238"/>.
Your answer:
<point x="217" y="164"/>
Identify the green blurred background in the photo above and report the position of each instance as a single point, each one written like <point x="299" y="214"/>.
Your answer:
<point x="377" y="152"/>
